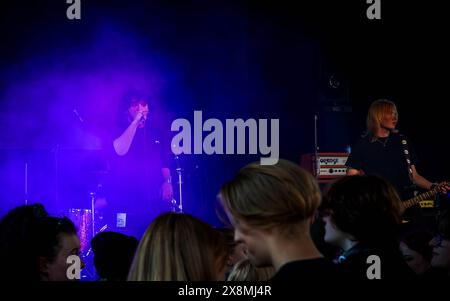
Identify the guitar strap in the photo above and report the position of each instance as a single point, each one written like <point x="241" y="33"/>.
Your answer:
<point x="407" y="154"/>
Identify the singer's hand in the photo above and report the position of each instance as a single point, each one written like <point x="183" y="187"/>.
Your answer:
<point x="141" y="115"/>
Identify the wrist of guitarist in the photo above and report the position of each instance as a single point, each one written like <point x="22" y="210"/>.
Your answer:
<point x="425" y="184"/>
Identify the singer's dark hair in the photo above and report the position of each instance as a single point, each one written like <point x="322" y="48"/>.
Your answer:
<point x="132" y="97"/>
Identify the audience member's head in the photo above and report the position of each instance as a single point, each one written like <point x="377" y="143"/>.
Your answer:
<point x="271" y="207"/>
<point x="244" y="270"/>
<point x="361" y="209"/>
<point x="362" y="217"/>
<point x="113" y="255"/>
<point x="57" y="239"/>
<point x="35" y="245"/>
<point x="416" y="250"/>
<point x="18" y="242"/>
<point x="441" y="243"/>
<point x="180" y="247"/>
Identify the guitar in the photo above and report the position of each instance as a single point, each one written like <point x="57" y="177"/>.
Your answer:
<point x="415" y="200"/>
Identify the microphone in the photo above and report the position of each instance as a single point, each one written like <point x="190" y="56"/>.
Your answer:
<point x="143" y="119"/>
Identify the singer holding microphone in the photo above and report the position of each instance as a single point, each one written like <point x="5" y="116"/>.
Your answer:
<point x="141" y="180"/>
<point x="381" y="151"/>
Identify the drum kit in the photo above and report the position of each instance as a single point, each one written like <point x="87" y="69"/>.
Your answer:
<point x="91" y="221"/>
<point x="88" y="222"/>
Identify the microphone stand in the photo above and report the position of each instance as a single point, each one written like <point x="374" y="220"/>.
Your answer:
<point x="180" y="182"/>
<point x="92" y="195"/>
<point x="316" y="149"/>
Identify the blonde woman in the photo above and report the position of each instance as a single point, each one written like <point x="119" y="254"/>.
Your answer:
<point x="381" y="151"/>
<point x="179" y="247"/>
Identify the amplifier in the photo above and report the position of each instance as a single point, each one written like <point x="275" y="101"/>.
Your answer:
<point x="332" y="171"/>
<point x="331" y="165"/>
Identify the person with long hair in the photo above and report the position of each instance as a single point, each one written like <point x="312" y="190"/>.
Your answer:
<point x="384" y="152"/>
<point x="416" y="250"/>
<point x="180" y="247"/>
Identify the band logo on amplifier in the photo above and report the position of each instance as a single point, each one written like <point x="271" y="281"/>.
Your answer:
<point x="330" y="165"/>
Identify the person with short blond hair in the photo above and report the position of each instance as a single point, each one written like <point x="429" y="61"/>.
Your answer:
<point x="271" y="208"/>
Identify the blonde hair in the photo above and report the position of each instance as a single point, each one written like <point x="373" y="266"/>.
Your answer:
<point x="271" y="196"/>
<point x="179" y="247"/>
<point x="244" y="270"/>
<point x="377" y="111"/>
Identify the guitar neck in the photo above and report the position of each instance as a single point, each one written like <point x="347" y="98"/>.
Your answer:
<point x="415" y="200"/>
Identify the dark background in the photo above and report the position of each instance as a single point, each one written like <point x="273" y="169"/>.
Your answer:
<point x="230" y="59"/>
